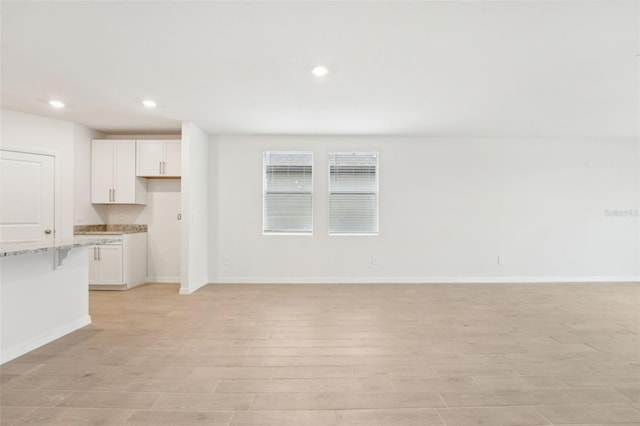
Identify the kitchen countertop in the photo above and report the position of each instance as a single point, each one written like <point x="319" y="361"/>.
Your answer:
<point x="21" y="248"/>
<point x="106" y="232"/>
<point x="108" y="229"/>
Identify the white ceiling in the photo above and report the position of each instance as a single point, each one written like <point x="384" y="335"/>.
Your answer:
<point x="505" y="68"/>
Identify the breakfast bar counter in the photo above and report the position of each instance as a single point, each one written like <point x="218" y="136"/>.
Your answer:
<point x="44" y="292"/>
<point x="23" y="248"/>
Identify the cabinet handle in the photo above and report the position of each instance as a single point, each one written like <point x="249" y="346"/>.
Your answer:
<point x="159" y="167"/>
<point x="114" y="195"/>
<point x="94" y="253"/>
<point x="99" y="254"/>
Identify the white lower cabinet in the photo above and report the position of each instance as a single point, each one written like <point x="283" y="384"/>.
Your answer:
<point x="120" y="265"/>
<point x="105" y="266"/>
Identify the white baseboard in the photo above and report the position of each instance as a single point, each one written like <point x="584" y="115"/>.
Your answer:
<point x="424" y="280"/>
<point x="22" y="348"/>
<point x="164" y="280"/>
<point x="108" y="287"/>
<point x="189" y="290"/>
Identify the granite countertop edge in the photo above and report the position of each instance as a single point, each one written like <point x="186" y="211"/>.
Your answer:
<point x="109" y="232"/>
<point x="19" y="249"/>
<point x="113" y="229"/>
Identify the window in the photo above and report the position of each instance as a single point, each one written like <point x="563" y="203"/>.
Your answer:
<point x="288" y="192"/>
<point x="353" y="193"/>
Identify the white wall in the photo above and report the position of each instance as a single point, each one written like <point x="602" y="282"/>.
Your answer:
<point x="85" y="213"/>
<point x="45" y="304"/>
<point x="195" y="210"/>
<point x="160" y="214"/>
<point x="34" y="133"/>
<point x="39" y="304"/>
<point x="448" y="209"/>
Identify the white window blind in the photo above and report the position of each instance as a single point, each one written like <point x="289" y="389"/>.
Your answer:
<point x="288" y="192"/>
<point x="353" y="193"/>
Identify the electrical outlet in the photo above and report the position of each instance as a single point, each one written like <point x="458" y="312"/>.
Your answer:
<point x="500" y="260"/>
<point x="375" y="261"/>
<point x="226" y="260"/>
<point x="179" y="216"/>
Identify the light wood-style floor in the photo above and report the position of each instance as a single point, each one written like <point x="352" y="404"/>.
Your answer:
<point x="301" y="355"/>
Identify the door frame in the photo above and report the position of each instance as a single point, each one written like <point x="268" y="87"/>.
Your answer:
<point x="56" y="180"/>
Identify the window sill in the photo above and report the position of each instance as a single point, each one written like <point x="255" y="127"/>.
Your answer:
<point x="354" y="235"/>
<point x="297" y="234"/>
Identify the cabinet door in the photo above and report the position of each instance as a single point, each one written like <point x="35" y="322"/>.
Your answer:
<point x="173" y="159"/>
<point x="150" y="157"/>
<point x="94" y="267"/>
<point x="109" y="264"/>
<point x="125" y="172"/>
<point x="101" y="171"/>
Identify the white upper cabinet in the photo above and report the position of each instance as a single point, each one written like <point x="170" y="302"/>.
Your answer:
<point x="173" y="158"/>
<point x="113" y="173"/>
<point x="102" y="165"/>
<point x="158" y="158"/>
<point x="150" y="158"/>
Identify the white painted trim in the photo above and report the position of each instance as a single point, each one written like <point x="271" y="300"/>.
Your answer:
<point x="185" y="290"/>
<point x="13" y="352"/>
<point x="164" y="280"/>
<point x="423" y="280"/>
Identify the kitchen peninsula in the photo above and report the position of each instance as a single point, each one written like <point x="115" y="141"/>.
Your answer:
<point x="43" y="292"/>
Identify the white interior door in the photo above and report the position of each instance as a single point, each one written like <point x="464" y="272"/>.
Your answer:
<point x="27" y="196"/>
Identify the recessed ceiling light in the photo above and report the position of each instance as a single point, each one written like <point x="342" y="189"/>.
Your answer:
<point x="320" y="71"/>
<point x="56" y="104"/>
<point x="149" y="103"/>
